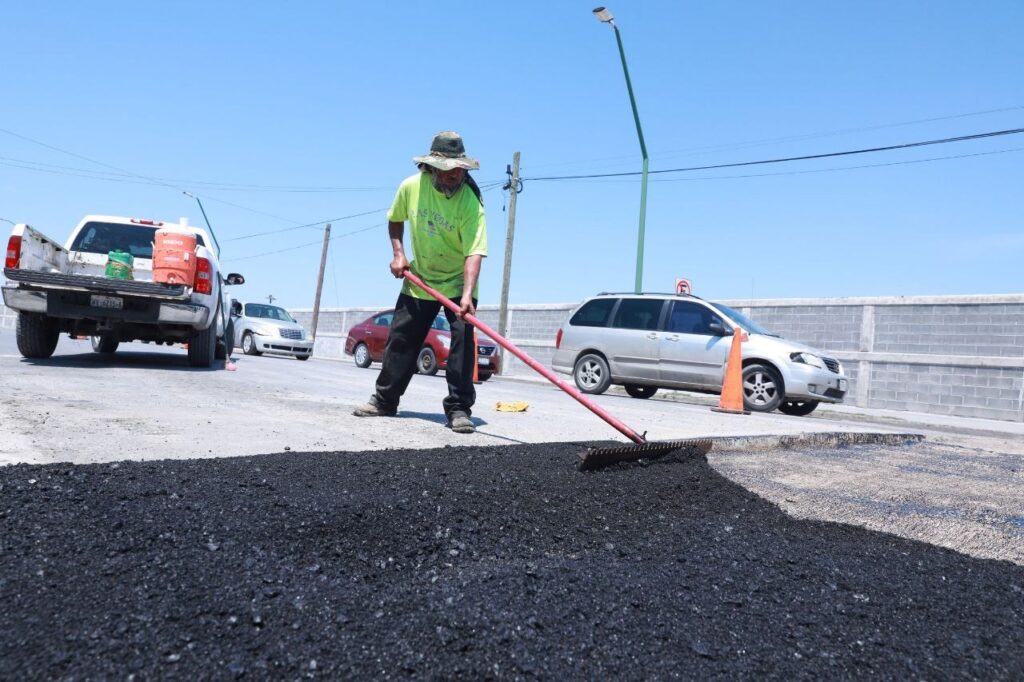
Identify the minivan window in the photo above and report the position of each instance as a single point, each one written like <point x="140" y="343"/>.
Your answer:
<point x="743" y="321"/>
<point x="593" y="313"/>
<point x="638" y="313"/>
<point x="691" y="318"/>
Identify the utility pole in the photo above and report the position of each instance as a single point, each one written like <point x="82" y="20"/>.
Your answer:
<point x="320" y="279"/>
<point x="514" y="187"/>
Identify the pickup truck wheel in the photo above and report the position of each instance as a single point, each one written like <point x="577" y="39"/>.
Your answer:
<point x="202" y="347"/>
<point x="37" y="335"/>
<point x="249" y="345"/>
<point x="104" y="343"/>
<point x="227" y="344"/>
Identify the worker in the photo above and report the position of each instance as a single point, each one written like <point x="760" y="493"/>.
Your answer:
<point x="445" y="212"/>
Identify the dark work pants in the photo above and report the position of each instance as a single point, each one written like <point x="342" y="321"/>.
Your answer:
<point x="409" y="328"/>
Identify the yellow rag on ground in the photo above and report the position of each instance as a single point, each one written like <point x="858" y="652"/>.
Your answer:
<point x="503" y="406"/>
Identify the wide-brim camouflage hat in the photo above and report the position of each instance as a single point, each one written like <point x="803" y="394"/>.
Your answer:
<point x="447" y="152"/>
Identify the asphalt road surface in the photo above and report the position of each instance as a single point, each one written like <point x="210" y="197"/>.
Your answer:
<point x="395" y="548"/>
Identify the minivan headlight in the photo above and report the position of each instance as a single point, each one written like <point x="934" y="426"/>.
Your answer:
<point x="807" y="359"/>
<point x="264" y="330"/>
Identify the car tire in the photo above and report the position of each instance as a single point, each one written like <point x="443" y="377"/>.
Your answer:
<point x="591" y="374"/>
<point x="426" y="363"/>
<point x="37" y="335"/>
<point x="798" y="408"/>
<point x="103" y="343"/>
<point x="303" y="357"/>
<point x="361" y="355"/>
<point x="642" y="392"/>
<point x="484" y="376"/>
<point x="762" y="388"/>
<point x="249" y="345"/>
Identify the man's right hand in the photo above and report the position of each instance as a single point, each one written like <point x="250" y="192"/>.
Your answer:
<point x="399" y="264"/>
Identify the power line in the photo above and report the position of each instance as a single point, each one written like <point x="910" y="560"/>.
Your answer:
<point x="299" y="227"/>
<point x="789" y="138"/>
<point x="306" y="245"/>
<point x="808" y="157"/>
<point x="842" y="168"/>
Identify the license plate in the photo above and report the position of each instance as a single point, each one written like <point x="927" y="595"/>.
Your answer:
<point x="842" y="384"/>
<point x="485" y="361"/>
<point x="112" y="302"/>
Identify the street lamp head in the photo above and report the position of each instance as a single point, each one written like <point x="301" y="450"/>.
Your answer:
<point x="604" y="15"/>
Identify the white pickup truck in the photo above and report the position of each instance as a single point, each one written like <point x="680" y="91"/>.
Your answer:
<point x="63" y="289"/>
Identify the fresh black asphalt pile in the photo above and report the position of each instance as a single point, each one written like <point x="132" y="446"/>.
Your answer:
<point x="470" y="563"/>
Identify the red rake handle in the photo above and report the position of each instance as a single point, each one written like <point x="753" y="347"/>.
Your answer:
<point x="541" y="369"/>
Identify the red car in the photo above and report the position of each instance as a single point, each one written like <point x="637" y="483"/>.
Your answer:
<point x="366" y="340"/>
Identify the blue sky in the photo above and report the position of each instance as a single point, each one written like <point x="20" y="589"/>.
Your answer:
<point x="279" y="115"/>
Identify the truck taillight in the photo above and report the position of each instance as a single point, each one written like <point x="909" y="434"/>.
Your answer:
<point x="13" y="252"/>
<point x="156" y="223"/>
<point x="558" y="339"/>
<point x="204" y="277"/>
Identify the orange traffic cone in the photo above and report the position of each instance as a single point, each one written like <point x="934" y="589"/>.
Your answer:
<point x="476" y="359"/>
<point x="731" y="399"/>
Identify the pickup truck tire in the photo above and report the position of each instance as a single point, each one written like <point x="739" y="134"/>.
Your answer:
<point x="227" y="344"/>
<point x="37" y="335"/>
<point x="249" y="345"/>
<point x="202" y="347"/>
<point x="104" y="343"/>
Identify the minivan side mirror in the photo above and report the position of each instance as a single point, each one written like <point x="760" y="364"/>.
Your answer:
<point x="234" y="278"/>
<point x="718" y="329"/>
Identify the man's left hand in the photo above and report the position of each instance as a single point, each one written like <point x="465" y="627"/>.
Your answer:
<point x="466" y="307"/>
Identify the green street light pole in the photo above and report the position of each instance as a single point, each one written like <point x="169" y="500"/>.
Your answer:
<point x="605" y="16"/>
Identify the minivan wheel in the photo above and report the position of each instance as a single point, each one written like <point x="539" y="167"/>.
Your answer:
<point x="762" y="388"/>
<point x="642" y="392"/>
<point x="798" y="408"/>
<point x="426" y="363"/>
<point x="591" y="374"/>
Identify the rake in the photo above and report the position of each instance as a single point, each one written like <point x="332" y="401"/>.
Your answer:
<point x="591" y="458"/>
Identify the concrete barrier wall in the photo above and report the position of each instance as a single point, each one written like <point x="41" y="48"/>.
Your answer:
<point x="956" y="355"/>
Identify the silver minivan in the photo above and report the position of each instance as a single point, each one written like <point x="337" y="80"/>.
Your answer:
<point x="649" y="341"/>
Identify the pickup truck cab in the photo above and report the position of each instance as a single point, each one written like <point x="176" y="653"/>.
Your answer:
<point x="59" y="289"/>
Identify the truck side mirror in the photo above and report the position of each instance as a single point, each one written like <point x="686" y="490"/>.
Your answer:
<point x="234" y="278"/>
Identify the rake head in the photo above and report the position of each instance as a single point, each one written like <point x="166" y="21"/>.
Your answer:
<point x="597" y="458"/>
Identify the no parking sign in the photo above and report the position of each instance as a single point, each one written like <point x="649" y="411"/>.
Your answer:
<point x="683" y="286"/>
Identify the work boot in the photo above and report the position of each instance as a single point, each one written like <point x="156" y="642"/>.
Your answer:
<point x="459" y="422"/>
<point x="372" y="409"/>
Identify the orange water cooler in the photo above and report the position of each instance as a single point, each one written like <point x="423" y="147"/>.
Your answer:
<point x="174" y="257"/>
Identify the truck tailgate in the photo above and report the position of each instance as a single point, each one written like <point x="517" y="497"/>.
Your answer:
<point x="51" y="280"/>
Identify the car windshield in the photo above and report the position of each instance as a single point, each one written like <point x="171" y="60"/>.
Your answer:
<point x="742" y="320"/>
<point x="96" y="237"/>
<point x="269" y="312"/>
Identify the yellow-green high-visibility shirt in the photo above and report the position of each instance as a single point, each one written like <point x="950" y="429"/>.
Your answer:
<point x="444" y="232"/>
